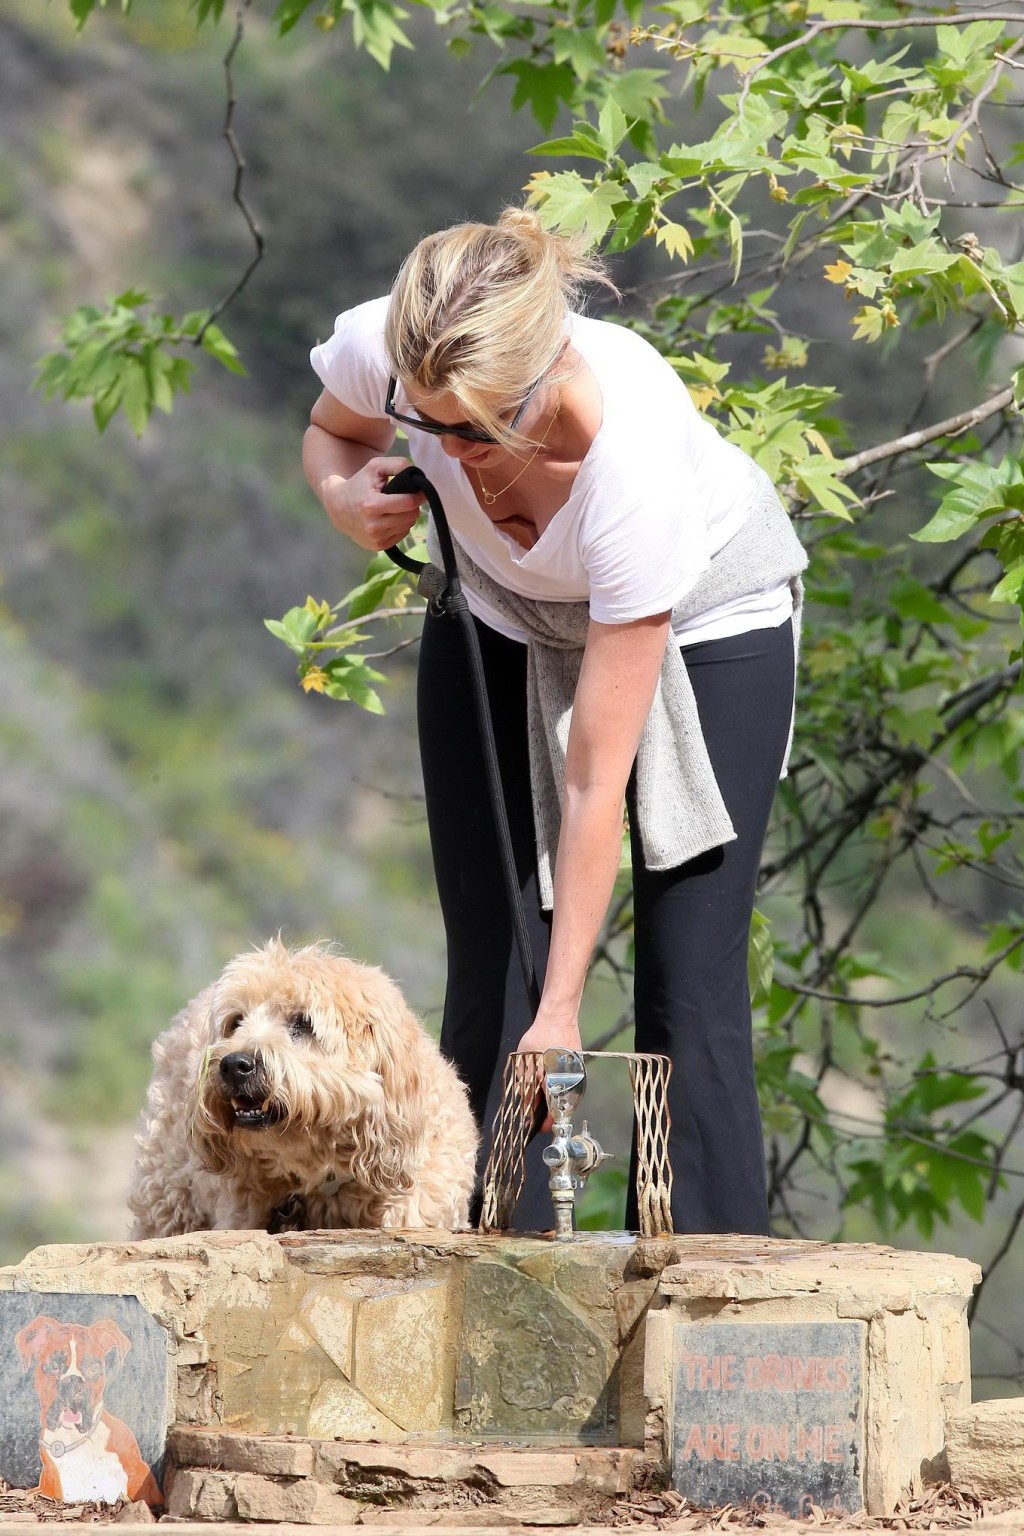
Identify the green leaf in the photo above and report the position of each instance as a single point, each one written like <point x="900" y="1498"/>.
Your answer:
<point x="612" y="126"/>
<point x="760" y="959"/>
<point x="580" y="143"/>
<point x="541" y="87"/>
<point x="912" y="600"/>
<point x="1010" y="589"/>
<point x="368" y="595"/>
<point x="217" y="344"/>
<point x="927" y="256"/>
<point x="567" y="202"/>
<point x="136" y="398"/>
<point x="979" y="490"/>
<point x="581" y="49"/>
<point x="644" y="174"/>
<point x="295" y="629"/>
<point x="638" y="93"/>
<point x="817" y="476"/>
<point x="675" y="239"/>
<point x="289" y="13"/>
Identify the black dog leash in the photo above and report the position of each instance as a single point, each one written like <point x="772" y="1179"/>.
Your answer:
<point x="451" y="599"/>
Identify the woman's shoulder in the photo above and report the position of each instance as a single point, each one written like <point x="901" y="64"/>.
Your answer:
<point x="351" y="363"/>
<point x="615" y="339"/>
<point x="362" y="322"/>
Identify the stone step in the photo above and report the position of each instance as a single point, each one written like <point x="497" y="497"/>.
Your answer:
<point x="218" y="1475"/>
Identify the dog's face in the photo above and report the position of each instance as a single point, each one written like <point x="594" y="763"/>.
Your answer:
<point x="300" y="1045"/>
<point x="71" y="1364"/>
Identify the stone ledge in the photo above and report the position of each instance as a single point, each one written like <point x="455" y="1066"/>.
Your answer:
<point x="985" y="1448"/>
<point x="752" y="1269"/>
<point x="223" y="1476"/>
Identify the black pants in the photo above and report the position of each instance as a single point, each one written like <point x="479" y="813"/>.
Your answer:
<point x="691" y="924"/>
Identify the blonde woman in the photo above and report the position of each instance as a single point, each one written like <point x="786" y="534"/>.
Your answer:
<point x="632" y="578"/>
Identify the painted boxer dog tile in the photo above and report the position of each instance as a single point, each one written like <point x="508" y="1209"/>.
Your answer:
<point x="86" y="1452"/>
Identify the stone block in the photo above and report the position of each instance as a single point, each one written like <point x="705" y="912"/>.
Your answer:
<point x="197" y="1494"/>
<point x="985" y="1448"/>
<point x="331" y="1321"/>
<point x="522" y="1468"/>
<point x="263" y="1498"/>
<point x="269" y="1456"/>
<point x="631" y="1303"/>
<point x="294" y="1340"/>
<point x="399" y="1355"/>
<point x="609" y="1471"/>
<point x="331" y="1508"/>
<point x="402" y="1468"/>
<point x="912" y="1307"/>
<point x="196" y="1398"/>
<point x="632" y="1408"/>
<point x="527" y="1363"/>
<point x="587" y="1277"/>
<point x="339" y="1412"/>
<point x="191" y="1351"/>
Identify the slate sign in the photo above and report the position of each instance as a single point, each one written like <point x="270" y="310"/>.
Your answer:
<point x="83" y="1396"/>
<point x="769" y="1414"/>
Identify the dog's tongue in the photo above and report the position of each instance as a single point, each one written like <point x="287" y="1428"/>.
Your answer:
<point x="71" y="1418"/>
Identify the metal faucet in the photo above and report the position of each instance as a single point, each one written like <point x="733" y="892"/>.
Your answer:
<point x="570" y="1158"/>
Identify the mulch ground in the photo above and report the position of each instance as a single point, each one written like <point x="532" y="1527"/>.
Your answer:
<point x="942" y="1508"/>
<point x="18" y="1504"/>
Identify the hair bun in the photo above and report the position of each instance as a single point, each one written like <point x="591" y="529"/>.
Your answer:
<point x="525" y="223"/>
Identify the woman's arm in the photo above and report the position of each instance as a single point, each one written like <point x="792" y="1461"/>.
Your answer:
<point x="343" y="456"/>
<point x="621" y="664"/>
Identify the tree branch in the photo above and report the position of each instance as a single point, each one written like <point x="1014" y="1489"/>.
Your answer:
<point x="950" y="18"/>
<point x="951" y="427"/>
<point x="237" y="198"/>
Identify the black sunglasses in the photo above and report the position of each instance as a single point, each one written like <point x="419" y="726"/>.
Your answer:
<point x="438" y="429"/>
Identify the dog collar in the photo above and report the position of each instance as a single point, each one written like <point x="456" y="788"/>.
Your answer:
<point x="59" y="1448"/>
<point x="334" y="1180"/>
<point x="290" y="1215"/>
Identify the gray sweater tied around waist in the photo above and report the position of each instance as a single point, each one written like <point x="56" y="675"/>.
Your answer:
<point x="679" y="807"/>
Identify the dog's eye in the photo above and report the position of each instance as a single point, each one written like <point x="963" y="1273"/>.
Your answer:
<point x="300" y="1024"/>
<point x="232" y="1023"/>
<point x="57" y="1363"/>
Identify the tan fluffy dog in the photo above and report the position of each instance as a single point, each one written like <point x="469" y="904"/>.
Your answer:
<point x="299" y="1091"/>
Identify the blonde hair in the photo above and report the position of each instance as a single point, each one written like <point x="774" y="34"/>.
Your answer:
<point x="481" y="311"/>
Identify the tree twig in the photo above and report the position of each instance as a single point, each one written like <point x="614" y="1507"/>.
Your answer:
<point x="951" y="427"/>
<point x="237" y="198"/>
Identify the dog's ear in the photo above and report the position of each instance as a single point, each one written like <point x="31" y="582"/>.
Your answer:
<point x="211" y="1146"/>
<point x="391" y="1127"/>
<point x="29" y="1341"/>
<point x="205" y="1135"/>
<point x="109" y="1337"/>
<point x="385" y="1141"/>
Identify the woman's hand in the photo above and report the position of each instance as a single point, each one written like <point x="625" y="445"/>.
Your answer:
<point x="347" y="464"/>
<point x="360" y="508"/>
<point x="546" y="1032"/>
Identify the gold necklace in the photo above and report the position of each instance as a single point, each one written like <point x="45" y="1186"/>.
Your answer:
<point x="490" y="497"/>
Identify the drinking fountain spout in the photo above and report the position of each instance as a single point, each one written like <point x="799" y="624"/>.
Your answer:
<point x="569" y="1158"/>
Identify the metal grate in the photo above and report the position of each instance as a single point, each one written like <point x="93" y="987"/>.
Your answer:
<point x="521" y="1084"/>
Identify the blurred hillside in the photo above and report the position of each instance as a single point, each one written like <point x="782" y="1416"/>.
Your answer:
<point x="168" y="796"/>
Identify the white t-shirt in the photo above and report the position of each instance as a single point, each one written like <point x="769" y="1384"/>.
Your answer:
<point x="657" y="495"/>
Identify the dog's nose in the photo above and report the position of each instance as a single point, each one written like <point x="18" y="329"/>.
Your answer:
<point x="236" y="1068"/>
